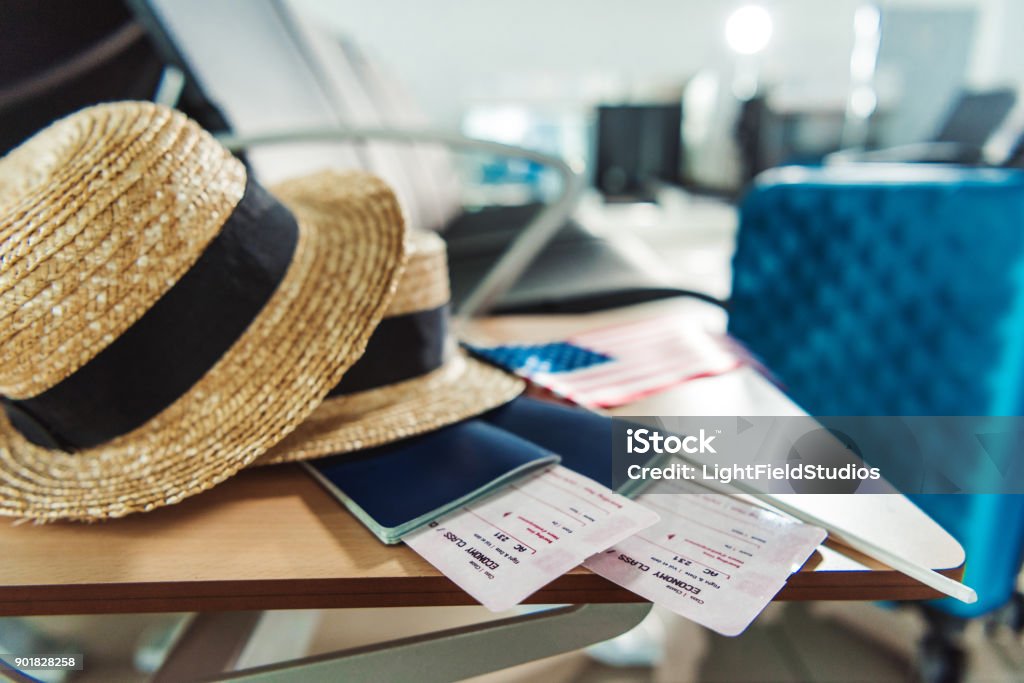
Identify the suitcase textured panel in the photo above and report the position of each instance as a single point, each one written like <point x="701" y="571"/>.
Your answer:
<point x="896" y="291"/>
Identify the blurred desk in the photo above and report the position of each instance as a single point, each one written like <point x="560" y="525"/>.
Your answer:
<point x="273" y="539"/>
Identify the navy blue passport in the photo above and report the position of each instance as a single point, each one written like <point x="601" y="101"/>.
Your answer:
<point x="400" y="487"/>
<point x="581" y="438"/>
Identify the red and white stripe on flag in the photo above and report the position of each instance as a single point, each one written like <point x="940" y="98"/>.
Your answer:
<point x="648" y="356"/>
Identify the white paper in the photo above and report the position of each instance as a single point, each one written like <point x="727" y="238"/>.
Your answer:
<point x="507" y="546"/>
<point x="711" y="558"/>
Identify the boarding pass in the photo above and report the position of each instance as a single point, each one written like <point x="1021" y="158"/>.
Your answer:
<point x="711" y="558"/>
<point x="505" y="547"/>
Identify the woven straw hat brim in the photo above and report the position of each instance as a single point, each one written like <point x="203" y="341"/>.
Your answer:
<point x="462" y="388"/>
<point x="315" y="326"/>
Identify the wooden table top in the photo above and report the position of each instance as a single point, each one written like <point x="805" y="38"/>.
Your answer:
<point x="272" y="538"/>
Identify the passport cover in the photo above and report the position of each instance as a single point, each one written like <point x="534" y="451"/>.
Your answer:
<point x="582" y="439"/>
<point x="397" y="488"/>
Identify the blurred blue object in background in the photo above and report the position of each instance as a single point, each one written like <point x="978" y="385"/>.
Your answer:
<point x="878" y="289"/>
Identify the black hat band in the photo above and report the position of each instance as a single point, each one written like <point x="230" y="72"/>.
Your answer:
<point x="166" y="351"/>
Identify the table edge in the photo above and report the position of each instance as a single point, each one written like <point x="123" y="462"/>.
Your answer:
<point x="576" y="588"/>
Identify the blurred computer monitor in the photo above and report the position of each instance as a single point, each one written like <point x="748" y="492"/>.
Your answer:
<point x="638" y="146"/>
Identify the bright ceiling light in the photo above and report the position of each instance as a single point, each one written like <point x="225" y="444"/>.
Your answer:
<point x="748" y="29"/>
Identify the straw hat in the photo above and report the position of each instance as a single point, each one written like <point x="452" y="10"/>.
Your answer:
<point x="163" y="319"/>
<point x="412" y="379"/>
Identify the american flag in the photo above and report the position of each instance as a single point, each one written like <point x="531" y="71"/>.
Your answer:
<point x="616" y="365"/>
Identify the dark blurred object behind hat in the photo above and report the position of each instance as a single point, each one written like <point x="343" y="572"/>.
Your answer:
<point x="58" y="56"/>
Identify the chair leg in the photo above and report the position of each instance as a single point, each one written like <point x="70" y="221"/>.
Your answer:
<point x="941" y="657"/>
<point x="448" y="655"/>
<point x="1009" y="616"/>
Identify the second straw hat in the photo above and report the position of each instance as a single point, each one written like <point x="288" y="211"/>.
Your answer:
<point x="412" y="379"/>
<point x="163" y="319"/>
